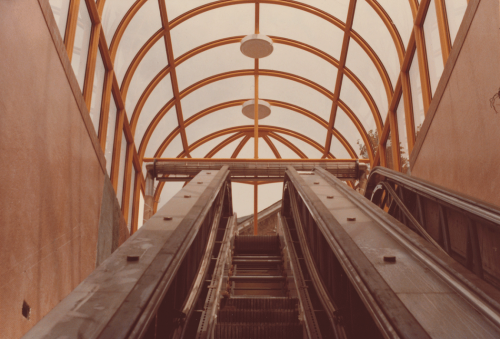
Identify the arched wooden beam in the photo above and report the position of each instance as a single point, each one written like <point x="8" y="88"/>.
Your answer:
<point x="223" y="144"/>
<point x="240" y="146"/>
<point x="348" y="111"/>
<point x="288" y="144"/>
<point x="113" y="46"/>
<point x="246" y="129"/>
<point x="231" y="74"/>
<point x="137" y="60"/>
<point x="272" y="146"/>
<point x="357" y="82"/>
<point x="276" y="103"/>
<point x="393" y="31"/>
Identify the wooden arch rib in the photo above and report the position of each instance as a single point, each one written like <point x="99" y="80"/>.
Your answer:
<point x="276" y="103"/>
<point x="357" y="82"/>
<point x="164" y="110"/>
<point x="224" y="143"/>
<point x="393" y="31"/>
<point x="249" y="129"/>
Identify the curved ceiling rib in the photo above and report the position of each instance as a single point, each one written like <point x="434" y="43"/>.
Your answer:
<point x="113" y="46"/>
<point x="398" y="42"/>
<point x="240" y="146"/>
<point x="215" y="108"/>
<point x="152" y="85"/>
<point x="212" y="109"/>
<point x="224" y="143"/>
<point x="249" y="129"/>
<point x="272" y="146"/>
<point x="231" y="74"/>
<point x="183" y="17"/>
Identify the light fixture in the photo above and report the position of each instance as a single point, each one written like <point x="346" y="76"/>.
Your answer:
<point x="248" y="109"/>
<point x="256" y="46"/>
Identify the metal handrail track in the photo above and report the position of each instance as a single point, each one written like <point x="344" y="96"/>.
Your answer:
<point x="394" y="320"/>
<point x="431" y="257"/>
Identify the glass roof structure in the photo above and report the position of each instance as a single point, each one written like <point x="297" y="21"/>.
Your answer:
<point x="165" y="78"/>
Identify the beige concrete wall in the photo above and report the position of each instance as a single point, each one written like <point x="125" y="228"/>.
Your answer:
<point x="461" y="150"/>
<point x="51" y="174"/>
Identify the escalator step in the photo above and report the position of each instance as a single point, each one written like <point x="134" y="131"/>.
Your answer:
<point x="261" y="330"/>
<point x="262" y="303"/>
<point x="258" y="316"/>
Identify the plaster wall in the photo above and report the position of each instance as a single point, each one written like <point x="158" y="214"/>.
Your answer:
<point x="52" y="177"/>
<point x="460" y="149"/>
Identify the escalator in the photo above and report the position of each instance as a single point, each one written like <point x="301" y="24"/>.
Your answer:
<point x="257" y="302"/>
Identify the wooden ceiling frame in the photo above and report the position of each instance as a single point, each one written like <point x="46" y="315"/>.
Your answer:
<point x="155" y="121"/>
<point x="340" y="75"/>
<point x="108" y="54"/>
<point x="249" y="129"/>
<point x="173" y="75"/>
<point x="156" y="80"/>
<point x="300" y="110"/>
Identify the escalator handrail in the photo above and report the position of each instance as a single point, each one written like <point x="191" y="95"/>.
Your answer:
<point x="473" y="206"/>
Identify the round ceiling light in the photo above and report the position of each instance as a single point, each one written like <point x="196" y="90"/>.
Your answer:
<point x="256" y="46"/>
<point x="249" y="106"/>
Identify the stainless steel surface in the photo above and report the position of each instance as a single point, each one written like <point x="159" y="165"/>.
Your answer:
<point x="181" y="171"/>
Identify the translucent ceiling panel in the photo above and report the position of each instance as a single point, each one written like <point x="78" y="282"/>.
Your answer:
<point x="363" y="67"/>
<point x="287" y="59"/>
<point x="242" y="199"/>
<point x="60" y="11"/>
<point x="169" y="190"/>
<point x="400" y="13"/>
<point x="353" y="98"/>
<point x="416" y="95"/>
<point x="131" y="199"/>
<point x="247" y="152"/>
<point x="121" y="169"/>
<point x="371" y="28"/>
<point x="302" y="26"/>
<point x="455" y="11"/>
<point x="161" y="132"/>
<point x="433" y="46"/>
<point x="236" y="88"/>
<point x="295" y="93"/>
<point x="110" y="135"/>
<point x="265" y="151"/>
<point x="81" y="46"/>
<point x="211" y="62"/>
<point x="144" y="24"/>
<point x="174" y="148"/>
<point x="285" y="151"/>
<point x="154" y="61"/>
<point x="296" y="122"/>
<point x="140" y="216"/>
<point x="403" y="137"/>
<point x="226" y="118"/>
<point x="389" y="163"/>
<point x="345" y="126"/>
<point x="113" y="13"/>
<point x="228" y="151"/>
<point x="310" y="151"/>
<point x="157" y="99"/>
<point x="95" y="106"/>
<point x="269" y="194"/>
<point x="338" y="150"/>
<point x="213" y="25"/>
<point x="176" y="7"/>
<point x="203" y="150"/>
<point x="337" y="8"/>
